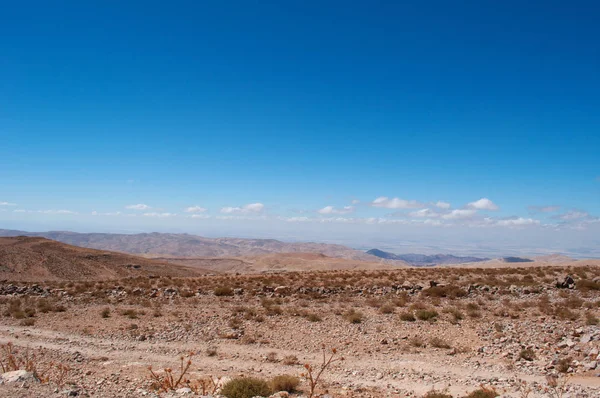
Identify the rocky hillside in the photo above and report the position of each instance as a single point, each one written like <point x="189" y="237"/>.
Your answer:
<point x="38" y="259"/>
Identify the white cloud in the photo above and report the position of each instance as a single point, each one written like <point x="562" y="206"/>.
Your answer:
<point x="574" y="215"/>
<point x="424" y="213"/>
<point x="20" y="211"/>
<point x="459" y="214"/>
<point x="515" y="222"/>
<point x="202" y="216"/>
<point x="249" y="208"/>
<point x="195" y="209"/>
<point x="57" y="212"/>
<point x="295" y="219"/>
<point x="483" y="204"/>
<point x="396" y="203"/>
<point x="333" y="210"/>
<point x="337" y="219"/>
<point x="442" y="205"/>
<point x="7" y="204"/>
<point x="116" y="213"/>
<point x="160" y="215"/>
<point x="355" y="201"/>
<point x="139" y="206"/>
<point x="543" y="209"/>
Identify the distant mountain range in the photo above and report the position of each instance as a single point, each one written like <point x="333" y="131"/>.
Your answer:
<point x="185" y="245"/>
<point x="516" y="260"/>
<point x="425" y="260"/>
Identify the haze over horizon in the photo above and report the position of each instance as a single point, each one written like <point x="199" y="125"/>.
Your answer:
<point x="470" y="129"/>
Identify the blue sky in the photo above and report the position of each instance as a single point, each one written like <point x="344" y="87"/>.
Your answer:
<point x="308" y="112"/>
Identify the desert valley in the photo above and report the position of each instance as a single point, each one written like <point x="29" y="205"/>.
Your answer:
<point x="78" y="321"/>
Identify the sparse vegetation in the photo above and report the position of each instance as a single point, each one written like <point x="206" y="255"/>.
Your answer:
<point x="284" y="383"/>
<point x="527" y="354"/>
<point x="223" y="291"/>
<point x="408" y="317"/>
<point x="426" y="315"/>
<point x="246" y="387"/>
<point x="483" y="392"/>
<point x="353" y="316"/>
<point x="313" y="375"/>
<point x="437" y="394"/>
<point x="168" y="380"/>
<point x="439" y="343"/>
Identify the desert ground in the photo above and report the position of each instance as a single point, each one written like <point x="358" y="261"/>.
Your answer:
<point x="519" y="331"/>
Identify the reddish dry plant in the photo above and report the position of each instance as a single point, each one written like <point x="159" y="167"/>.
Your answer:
<point x="205" y="386"/>
<point x="169" y="382"/>
<point x="62" y="371"/>
<point x="557" y="386"/>
<point x="313" y="376"/>
<point x="11" y="359"/>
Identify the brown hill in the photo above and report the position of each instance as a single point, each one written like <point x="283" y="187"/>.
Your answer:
<point x="37" y="259"/>
<point x="185" y="245"/>
<point x="277" y="262"/>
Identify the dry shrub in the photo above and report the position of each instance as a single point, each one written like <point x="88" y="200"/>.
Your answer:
<point x="272" y="357"/>
<point x="12" y="359"/>
<point x="586" y="285"/>
<point x="131" y="313"/>
<point x="27" y="322"/>
<point x="387" y="309"/>
<point x="167" y="381"/>
<point x="223" y="291"/>
<point x="246" y="387"/>
<point x="527" y="354"/>
<point x="444" y="291"/>
<point x="313" y="375"/>
<point x="211" y="351"/>
<point x="483" y="392"/>
<point x="439" y="343"/>
<point x="313" y="317"/>
<point x="284" y="383"/>
<point x="564" y="364"/>
<point x="353" y="316"/>
<point x="437" y="394"/>
<point x="290" y="360"/>
<point x="417" y="341"/>
<point x="590" y="319"/>
<point x="407" y="317"/>
<point x="426" y="315"/>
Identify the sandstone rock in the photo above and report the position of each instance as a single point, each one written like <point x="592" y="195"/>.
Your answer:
<point x="19" y="376"/>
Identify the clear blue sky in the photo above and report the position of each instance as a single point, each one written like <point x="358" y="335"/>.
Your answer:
<point x="298" y="106"/>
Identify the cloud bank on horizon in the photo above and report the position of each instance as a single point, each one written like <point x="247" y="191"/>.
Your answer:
<point x="480" y="213"/>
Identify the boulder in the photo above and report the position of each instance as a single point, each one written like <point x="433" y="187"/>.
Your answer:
<point x="19" y="376"/>
<point x="567" y="283"/>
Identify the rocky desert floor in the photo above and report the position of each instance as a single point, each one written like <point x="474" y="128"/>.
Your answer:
<point x="523" y="332"/>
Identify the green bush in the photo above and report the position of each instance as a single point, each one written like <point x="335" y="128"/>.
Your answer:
<point x="246" y="387"/>
<point x="284" y="383"/>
